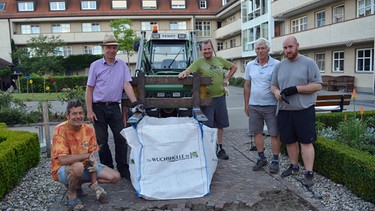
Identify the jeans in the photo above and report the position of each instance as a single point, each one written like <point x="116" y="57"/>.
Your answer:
<point x="63" y="176"/>
<point x="110" y="115"/>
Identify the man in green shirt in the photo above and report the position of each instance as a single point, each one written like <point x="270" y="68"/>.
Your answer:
<point x="215" y="67"/>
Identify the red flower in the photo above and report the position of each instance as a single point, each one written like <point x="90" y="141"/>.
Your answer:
<point x="51" y="80"/>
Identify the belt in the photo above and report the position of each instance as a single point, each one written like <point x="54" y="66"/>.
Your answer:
<point x="106" y="103"/>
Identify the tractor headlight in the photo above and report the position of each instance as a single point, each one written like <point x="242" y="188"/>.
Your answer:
<point x="176" y="94"/>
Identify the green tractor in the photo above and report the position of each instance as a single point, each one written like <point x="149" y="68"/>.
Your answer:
<point x="161" y="58"/>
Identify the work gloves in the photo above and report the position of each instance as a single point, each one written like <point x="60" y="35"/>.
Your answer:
<point x="138" y="108"/>
<point x="288" y="92"/>
<point x="91" y="165"/>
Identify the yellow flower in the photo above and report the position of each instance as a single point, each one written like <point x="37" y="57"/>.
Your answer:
<point x="31" y="81"/>
<point x="47" y="88"/>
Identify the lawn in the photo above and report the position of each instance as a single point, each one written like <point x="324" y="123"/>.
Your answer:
<point x="36" y="96"/>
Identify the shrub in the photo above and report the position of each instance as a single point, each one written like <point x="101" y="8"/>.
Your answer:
<point x="351" y="132"/>
<point x="13" y="111"/>
<point x="345" y="165"/>
<point x="19" y="152"/>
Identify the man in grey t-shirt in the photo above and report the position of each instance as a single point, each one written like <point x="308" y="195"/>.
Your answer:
<point x="295" y="82"/>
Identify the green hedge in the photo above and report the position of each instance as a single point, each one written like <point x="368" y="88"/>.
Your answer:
<point x="59" y="83"/>
<point x="238" y="82"/>
<point x="19" y="152"/>
<point x="333" y="119"/>
<point x="342" y="164"/>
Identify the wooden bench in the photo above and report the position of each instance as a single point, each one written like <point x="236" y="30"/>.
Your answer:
<point x="344" y="81"/>
<point x="332" y="103"/>
<point x="326" y="79"/>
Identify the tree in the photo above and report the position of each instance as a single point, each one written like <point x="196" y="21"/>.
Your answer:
<point x="124" y="34"/>
<point x="39" y="56"/>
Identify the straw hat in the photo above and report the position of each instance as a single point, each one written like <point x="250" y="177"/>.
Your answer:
<point x="109" y="40"/>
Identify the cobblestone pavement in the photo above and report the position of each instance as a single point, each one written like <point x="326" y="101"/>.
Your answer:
<point x="234" y="187"/>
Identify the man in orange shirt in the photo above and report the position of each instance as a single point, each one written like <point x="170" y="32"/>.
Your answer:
<point x="73" y="159"/>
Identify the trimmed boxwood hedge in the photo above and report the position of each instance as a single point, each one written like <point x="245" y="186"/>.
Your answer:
<point x="19" y="152"/>
<point x="345" y="165"/>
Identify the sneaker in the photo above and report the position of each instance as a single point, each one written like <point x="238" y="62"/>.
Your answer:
<point x="222" y="155"/>
<point x="260" y="163"/>
<point x="308" y="180"/>
<point x="274" y="167"/>
<point x="290" y="171"/>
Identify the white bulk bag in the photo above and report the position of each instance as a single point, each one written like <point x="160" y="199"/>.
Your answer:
<point x="171" y="158"/>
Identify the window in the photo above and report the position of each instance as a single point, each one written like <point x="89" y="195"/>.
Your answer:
<point x="31" y="52"/>
<point x="63" y="51"/>
<point x="224" y="2"/>
<point x="299" y="24"/>
<point x="203" y="4"/>
<point x="320" y="18"/>
<point x="25" y="6"/>
<point x="320" y="61"/>
<point x="365" y="60"/>
<point x="87" y="49"/>
<point x="148" y="25"/>
<point x="338" y="61"/>
<point x="253" y="9"/>
<point x="92" y="49"/>
<point x="365" y="7"/>
<point x="279" y="29"/>
<point x="60" y="28"/>
<point x="90" y="27"/>
<point x="338" y="14"/>
<point x="178" y="4"/>
<point x="149" y="4"/>
<point x="57" y="5"/>
<point x="233" y="43"/>
<point x="203" y="28"/>
<point x="30" y="29"/>
<point x="220" y="46"/>
<point x="2" y="6"/>
<point x="96" y="49"/>
<point x="250" y="35"/>
<point x="88" y="5"/>
<point x="177" y="25"/>
<point x="119" y="4"/>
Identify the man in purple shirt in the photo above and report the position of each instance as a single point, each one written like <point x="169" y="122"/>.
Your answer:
<point x="107" y="79"/>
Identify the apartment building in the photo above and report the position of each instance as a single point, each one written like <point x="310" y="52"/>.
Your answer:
<point x="257" y="22"/>
<point x="338" y="34"/>
<point x="82" y="24"/>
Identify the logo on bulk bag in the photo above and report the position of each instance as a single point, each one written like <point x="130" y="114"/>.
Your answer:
<point x="174" y="158"/>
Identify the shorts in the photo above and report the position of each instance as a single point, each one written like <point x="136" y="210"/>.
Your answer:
<point x="259" y="115"/>
<point x="63" y="176"/>
<point x="217" y="113"/>
<point x="297" y="126"/>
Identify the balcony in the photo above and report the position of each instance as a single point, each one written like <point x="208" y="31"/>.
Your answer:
<point x="230" y="53"/>
<point x="79" y="37"/>
<point x="345" y="33"/>
<point x="286" y="8"/>
<point x="230" y="30"/>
